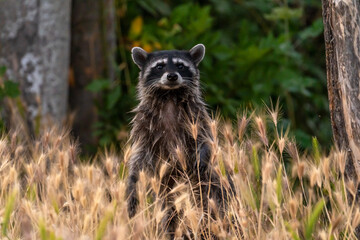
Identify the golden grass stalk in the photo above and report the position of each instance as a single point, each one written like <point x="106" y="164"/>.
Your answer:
<point x="46" y="192"/>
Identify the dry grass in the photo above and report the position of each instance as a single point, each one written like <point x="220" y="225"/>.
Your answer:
<point x="47" y="193"/>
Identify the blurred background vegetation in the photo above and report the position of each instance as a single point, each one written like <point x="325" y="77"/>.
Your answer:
<point x="256" y="51"/>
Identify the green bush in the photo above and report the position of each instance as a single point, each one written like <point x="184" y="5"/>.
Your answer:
<point x="256" y="51"/>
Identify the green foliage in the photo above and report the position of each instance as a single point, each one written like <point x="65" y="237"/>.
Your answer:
<point x="8" y="89"/>
<point x="316" y="150"/>
<point x="2" y="70"/>
<point x="313" y="218"/>
<point x="256" y="164"/>
<point x="111" y="106"/>
<point x="9" y="208"/>
<point x="279" y="184"/>
<point x="101" y="229"/>
<point x="46" y="234"/>
<point x="255" y="51"/>
<point x="293" y="234"/>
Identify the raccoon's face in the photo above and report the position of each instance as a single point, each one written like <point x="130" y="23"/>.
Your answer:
<point x="167" y="70"/>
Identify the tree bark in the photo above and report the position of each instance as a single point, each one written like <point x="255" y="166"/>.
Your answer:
<point x="92" y="56"/>
<point x="109" y="26"/>
<point x="342" y="42"/>
<point x="34" y="47"/>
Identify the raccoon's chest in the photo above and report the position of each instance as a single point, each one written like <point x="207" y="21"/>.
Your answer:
<point x="169" y="116"/>
<point x="167" y="127"/>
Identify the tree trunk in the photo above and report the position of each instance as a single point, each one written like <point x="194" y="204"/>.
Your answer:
<point x="109" y="26"/>
<point x="92" y="56"/>
<point x="342" y="42"/>
<point x="34" y="47"/>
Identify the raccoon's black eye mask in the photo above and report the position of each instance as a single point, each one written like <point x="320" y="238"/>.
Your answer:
<point x="160" y="66"/>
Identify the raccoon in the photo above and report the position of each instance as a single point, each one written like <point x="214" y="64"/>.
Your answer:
<point x="170" y="102"/>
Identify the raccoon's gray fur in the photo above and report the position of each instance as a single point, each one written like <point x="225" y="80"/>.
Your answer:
<point x="170" y="100"/>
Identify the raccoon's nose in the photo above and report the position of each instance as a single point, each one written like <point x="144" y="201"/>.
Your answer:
<point x="172" y="77"/>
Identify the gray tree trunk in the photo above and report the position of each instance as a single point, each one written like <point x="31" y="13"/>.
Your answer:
<point x="35" y="48"/>
<point x="342" y="42"/>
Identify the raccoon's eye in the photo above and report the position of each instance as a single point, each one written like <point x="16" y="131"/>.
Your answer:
<point x="159" y="66"/>
<point x="180" y="66"/>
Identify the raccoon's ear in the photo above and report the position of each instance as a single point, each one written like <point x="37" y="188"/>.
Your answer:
<point x="139" y="56"/>
<point x="197" y="53"/>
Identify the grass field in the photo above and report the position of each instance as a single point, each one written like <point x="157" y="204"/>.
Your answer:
<point x="46" y="192"/>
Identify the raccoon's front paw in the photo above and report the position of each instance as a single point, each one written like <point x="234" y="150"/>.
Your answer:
<point x="132" y="205"/>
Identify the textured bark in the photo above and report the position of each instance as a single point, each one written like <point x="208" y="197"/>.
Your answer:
<point x="109" y="26"/>
<point x="342" y="41"/>
<point x="34" y="46"/>
<point x="92" y="56"/>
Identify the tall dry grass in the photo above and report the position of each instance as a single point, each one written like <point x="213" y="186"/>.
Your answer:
<point x="46" y="192"/>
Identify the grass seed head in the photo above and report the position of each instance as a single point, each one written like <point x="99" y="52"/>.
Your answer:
<point x="243" y="121"/>
<point x="340" y="158"/>
<point x="181" y="157"/>
<point x="293" y="207"/>
<point x="73" y="206"/>
<point x="163" y="170"/>
<point x="194" y="129"/>
<point x="109" y="166"/>
<point x="301" y="169"/>
<point x="213" y="128"/>
<point x="281" y="144"/>
<point x="326" y="168"/>
<point x="315" y="177"/>
<point x="292" y="150"/>
<point x="261" y="128"/>
<point x="228" y="133"/>
<point x="336" y="222"/>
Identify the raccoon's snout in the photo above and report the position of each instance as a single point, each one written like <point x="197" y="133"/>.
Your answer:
<point x="171" y="80"/>
<point x="172" y="77"/>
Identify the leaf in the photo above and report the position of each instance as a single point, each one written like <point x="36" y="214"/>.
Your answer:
<point x="105" y="139"/>
<point x="46" y="234"/>
<point x="279" y="185"/>
<point x="136" y="27"/>
<point x="11" y="89"/>
<point x="282" y="13"/>
<point x="293" y="234"/>
<point x="236" y="167"/>
<point x="122" y="171"/>
<point x="43" y="232"/>
<point x="100" y="231"/>
<point x="161" y="6"/>
<point x="31" y="192"/>
<point x="98" y="85"/>
<point x="255" y="163"/>
<point x="312" y="220"/>
<point x="316" y="151"/>
<point x="113" y="97"/>
<point x="314" y="30"/>
<point x="9" y="207"/>
<point x="222" y="167"/>
<point x="2" y="71"/>
<point x="148" y="7"/>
